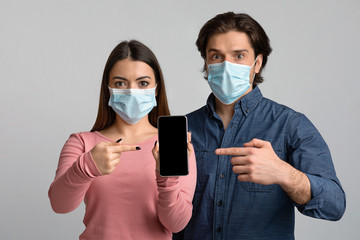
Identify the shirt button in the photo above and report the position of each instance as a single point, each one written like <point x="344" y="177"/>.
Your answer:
<point x="222" y="176"/>
<point x="247" y="110"/>
<point x="220" y="203"/>
<point x="218" y="229"/>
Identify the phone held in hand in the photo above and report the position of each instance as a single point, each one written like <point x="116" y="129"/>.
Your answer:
<point x="173" y="152"/>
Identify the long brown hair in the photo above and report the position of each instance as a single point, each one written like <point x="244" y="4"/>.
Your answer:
<point x="136" y="51"/>
<point x="230" y="21"/>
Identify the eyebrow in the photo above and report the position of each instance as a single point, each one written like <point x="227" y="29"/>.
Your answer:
<point x="241" y="51"/>
<point x="213" y="50"/>
<point x="236" y="51"/>
<point x="139" y="78"/>
<point x="117" y="77"/>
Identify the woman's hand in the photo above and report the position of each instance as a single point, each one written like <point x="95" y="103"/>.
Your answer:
<point x="106" y="155"/>
<point x="155" y="151"/>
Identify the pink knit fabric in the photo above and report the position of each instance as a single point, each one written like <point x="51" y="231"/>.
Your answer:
<point x="133" y="202"/>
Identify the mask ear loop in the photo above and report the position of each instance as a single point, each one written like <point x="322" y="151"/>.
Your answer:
<point x="207" y="72"/>
<point x="254" y="71"/>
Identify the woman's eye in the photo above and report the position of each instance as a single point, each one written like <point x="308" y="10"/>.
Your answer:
<point x="119" y="84"/>
<point x="144" y="83"/>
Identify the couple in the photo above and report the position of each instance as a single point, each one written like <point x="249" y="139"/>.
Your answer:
<point x="251" y="160"/>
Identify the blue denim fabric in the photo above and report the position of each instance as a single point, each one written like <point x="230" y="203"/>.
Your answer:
<point x="225" y="208"/>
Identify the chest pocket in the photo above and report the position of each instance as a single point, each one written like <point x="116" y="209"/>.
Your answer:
<point x="206" y="163"/>
<point x="255" y="187"/>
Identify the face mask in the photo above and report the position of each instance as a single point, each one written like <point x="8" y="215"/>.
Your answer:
<point x="229" y="81"/>
<point x="132" y="104"/>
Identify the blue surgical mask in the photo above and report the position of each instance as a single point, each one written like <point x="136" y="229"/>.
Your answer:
<point x="229" y="81"/>
<point x="132" y="104"/>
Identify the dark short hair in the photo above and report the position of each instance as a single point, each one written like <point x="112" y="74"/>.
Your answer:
<point x="136" y="51"/>
<point x="230" y="21"/>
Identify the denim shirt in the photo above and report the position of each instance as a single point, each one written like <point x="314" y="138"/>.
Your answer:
<point x="225" y="208"/>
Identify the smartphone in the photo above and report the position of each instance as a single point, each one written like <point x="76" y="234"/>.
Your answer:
<point x="173" y="152"/>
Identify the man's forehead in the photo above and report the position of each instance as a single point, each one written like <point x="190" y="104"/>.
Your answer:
<point x="229" y="41"/>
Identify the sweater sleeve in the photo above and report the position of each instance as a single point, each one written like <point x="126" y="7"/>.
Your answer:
<point x="175" y="198"/>
<point x="75" y="172"/>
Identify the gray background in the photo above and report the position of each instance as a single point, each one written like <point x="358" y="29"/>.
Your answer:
<point x="52" y="55"/>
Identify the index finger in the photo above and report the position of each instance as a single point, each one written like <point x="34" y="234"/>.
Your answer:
<point x="234" y="151"/>
<point x="124" y="148"/>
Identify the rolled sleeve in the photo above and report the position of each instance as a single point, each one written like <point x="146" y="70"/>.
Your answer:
<point x="310" y="154"/>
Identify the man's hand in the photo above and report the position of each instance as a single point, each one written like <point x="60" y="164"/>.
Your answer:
<point x="255" y="162"/>
<point x="258" y="163"/>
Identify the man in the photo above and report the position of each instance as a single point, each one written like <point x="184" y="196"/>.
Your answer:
<point x="256" y="159"/>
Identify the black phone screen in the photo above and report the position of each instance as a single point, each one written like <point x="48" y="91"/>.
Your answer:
<point x="173" y="153"/>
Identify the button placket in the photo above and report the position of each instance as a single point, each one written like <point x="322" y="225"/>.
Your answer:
<point x="220" y="183"/>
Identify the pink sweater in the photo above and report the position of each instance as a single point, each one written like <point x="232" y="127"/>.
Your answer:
<point x="133" y="202"/>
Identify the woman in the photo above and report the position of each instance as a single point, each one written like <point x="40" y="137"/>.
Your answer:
<point x="112" y="168"/>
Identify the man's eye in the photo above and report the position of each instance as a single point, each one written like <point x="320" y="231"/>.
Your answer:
<point x="240" y="56"/>
<point x="216" y="56"/>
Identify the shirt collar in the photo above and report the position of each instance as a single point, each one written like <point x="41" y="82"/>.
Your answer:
<point x="247" y="103"/>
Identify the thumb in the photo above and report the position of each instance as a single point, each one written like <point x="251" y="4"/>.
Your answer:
<point x="155" y="149"/>
<point x="155" y="152"/>
<point x="189" y="144"/>
<point x="255" y="143"/>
